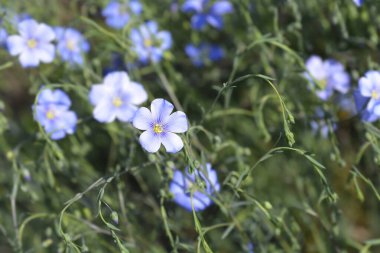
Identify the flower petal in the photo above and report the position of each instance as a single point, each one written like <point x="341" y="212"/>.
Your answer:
<point x="177" y="123"/>
<point x="104" y="112"/>
<point x="137" y="93"/>
<point x="143" y="119"/>
<point x="44" y="33"/>
<point x="221" y="7"/>
<point x="172" y="142"/>
<point x="29" y="58"/>
<point x="15" y="44"/>
<point x="150" y="141"/>
<point x="126" y="113"/>
<point x="161" y="110"/>
<point x="97" y="93"/>
<point x="46" y="53"/>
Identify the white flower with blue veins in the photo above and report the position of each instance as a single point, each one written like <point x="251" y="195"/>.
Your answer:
<point x="160" y="126"/>
<point x="33" y="45"/>
<point x="116" y="98"/>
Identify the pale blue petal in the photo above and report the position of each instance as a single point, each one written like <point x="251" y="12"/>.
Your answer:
<point x="165" y="38"/>
<point x="161" y="110"/>
<point x="136" y="7"/>
<point x="221" y="8"/>
<point x="143" y="119"/>
<point x="177" y="123"/>
<point x="152" y="27"/>
<point x="97" y="93"/>
<point x="365" y="86"/>
<point x="29" y="58"/>
<point x="46" y="53"/>
<point x="150" y="141"/>
<point x="27" y="28"/>
<point x="16" y="45"/>
<point x="172" y="142"/>
<point x="44" y="33"/>
<point x="104" y="112"/>
<point x="215" y="20"/>
<point x="126" y="113"/>
<point x="137" y="93"/>
<point x="193" y="6"/>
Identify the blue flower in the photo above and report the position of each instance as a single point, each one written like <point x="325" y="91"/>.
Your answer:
<point x="3" y="37"/>
<point x="71" y="45"/>
<point x="358" y="2"/>
<point x="118" y="14"/>
<point x="204" y="53"/>
<point x="116" y="98"/>
<point x="369" y="88"/>
<point x="149" y="43"/>
<point x="52" y="112"/>
<point x="207" y="13"/>
<point x="320" y="124"/>
<point x="361" y="104"/>
<point x="33" y="45"/>
<point x="183" y="183"/>
<point x="326" y="76"/>
<point x="160" y="126"/>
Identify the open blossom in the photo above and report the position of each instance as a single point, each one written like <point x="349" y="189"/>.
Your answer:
<point x="160" y="126"/>
<point x="52" y="112"/>
<point x="71" y="45"/>
<point x="205" y="12"/>
<point x="326" y="76"/>
<point x="149" y="43"/>
<point x="118" y="14"/>
<point x="116" y="98"/>
<point x="183" y="183"/>
<point x="203" y="53"/>
<point x="33" y="45"/>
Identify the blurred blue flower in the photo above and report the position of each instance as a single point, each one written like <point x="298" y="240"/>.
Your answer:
<point x="116" y="98"/>
<point x="204" y="53"/>
<point x="320" y="123"/>
<point x="52" y="112"/>
<point x="184" y="182"/>
<point x="160" y="126"/>
<point x="326" y="76"/>
<point x="369" y="89"/>
<point x="3" y="37"/>
<point x="205" y="12"/>
<point x="71" y="45"/>
<point x="358" y="2"/>
<point x="118" y="14"/>
<point x="33" y="45"/>
<point x="361" y="104"/>
<point x="250" y="248"/>
<point x="149" y="43"/>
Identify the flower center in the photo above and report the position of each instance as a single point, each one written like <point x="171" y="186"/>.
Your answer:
<point x="50" y="114"/>
<point x="374" y="94"/>
<point x="70" y="45"/>
<point x="322" y="84"/>
<point x="148" y="43"/>
<point x="117" y="102"/>
<point x="32" y="43"/>
<point x="157" y="128"/>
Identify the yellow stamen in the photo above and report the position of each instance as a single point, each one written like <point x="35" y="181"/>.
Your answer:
<point x="148" y="42"/>
<point x="32" y="43"/>
<point x="158" y="128"/>
<point x="117" y="102"/>
<point x="322" y="84"/>
<point x="70" y="45"/>
<point x="374" y="95"/>
<point x="50" y="115"/>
